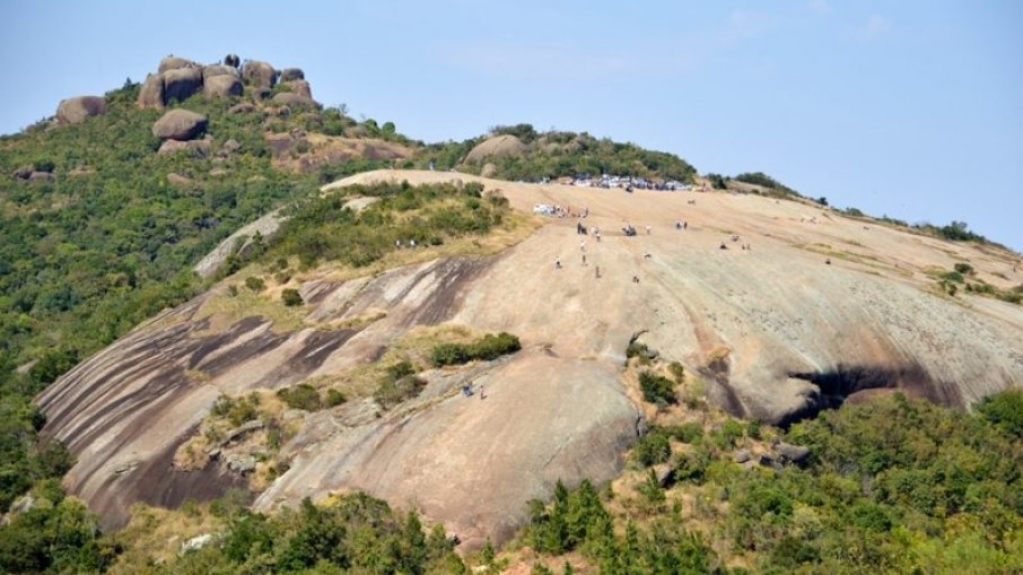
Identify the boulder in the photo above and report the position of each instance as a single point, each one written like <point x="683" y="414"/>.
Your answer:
<point x="292" y="74"/>
<point x="222" y="86"/>
<point x="489" y="170"/>
<point x="181" y="83"/>
<point x="175" y="63"/>
<point x="180" y="125"/>
<point x="789" y="453"/>
<point x="742" y="456"/>
<point x="151" y="94"/>
<point x="23" y="173"/>
<point x="290" y="99"/>
<point x="241" y="108"/>
<point x="198" y="148"/>
<point x="76" y="110"/>
<point x="178" y="180"/>
<point x="240" y="463"/>
<point x="259" y="74"/>
<point x="231" y="146"/>
<point x="40" y="177"/>
<point x="218" y="70"/>
<point x="300" y="87"/>
<point x="501" y="146"/>
<point x="196" y="543"/>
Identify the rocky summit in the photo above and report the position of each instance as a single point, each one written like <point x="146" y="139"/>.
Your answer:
<point x="780" y="307"/>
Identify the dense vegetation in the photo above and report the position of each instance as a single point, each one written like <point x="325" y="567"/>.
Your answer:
<point x="893" y="486"/>
<point x="559" y="154"/>
<point x="486" y="348"/>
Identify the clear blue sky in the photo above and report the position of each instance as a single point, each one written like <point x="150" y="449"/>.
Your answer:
<point x="909" y="109"/>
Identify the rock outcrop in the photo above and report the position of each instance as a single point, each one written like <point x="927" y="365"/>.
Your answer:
<point x="300" y="87"/>
<point x="180" y="84"/>
<point x="504" y="145"/>
<point x="175" y="63"/>
<point x="259" y="74"/>
<point x="773" y="332"/>
<point x="292" y="74"/>
<point x="76" y="110"/>
<point x="180" y="124"/>
<point x="151" y="93"/>
<point x="198" y="148"/>
<point x="292" y="99"/>
<point x="222" y="86"/>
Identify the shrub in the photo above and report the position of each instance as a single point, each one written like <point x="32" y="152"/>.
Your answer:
<point x="302" y="396"/>
<point x="291" y="297"/>
<point x="652" y="448"/>
<point x="657" y="388"/>
<point x="964" y="268"/>
<point x="255" y="284"/>
<point x="335" y="398"/>
<point x="487" y="348"/>
<point x="690" y="432"/>
<point x="677" y="371"/>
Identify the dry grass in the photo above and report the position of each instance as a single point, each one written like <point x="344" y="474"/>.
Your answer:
<point x="156" y="535"/>
<point x="224" y="309"/>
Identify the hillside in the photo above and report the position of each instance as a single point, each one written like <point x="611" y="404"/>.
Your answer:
<point x="774" y="332"/>
<point x="390" y="321"/>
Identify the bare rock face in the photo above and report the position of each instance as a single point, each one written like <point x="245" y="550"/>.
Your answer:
<point x="222" y="86"/>
<point x="76" y="110"/>
<point x="259" y="74"/>
<point x="181" y="83"/>
<point x="180" y="124"/>
<point x="151" y="94"/>
<point x="773" y="332"/>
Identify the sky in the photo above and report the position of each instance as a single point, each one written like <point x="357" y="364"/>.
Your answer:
<point x="910" y="109"/>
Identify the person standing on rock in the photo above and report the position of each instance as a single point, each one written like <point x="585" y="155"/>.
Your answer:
<point x="483" y="395"/>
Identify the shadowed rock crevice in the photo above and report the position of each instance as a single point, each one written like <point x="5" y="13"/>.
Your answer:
<point x="844" y="381"/>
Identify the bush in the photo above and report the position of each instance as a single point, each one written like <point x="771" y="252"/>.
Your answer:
<point x="335" y="398"/>
<point x="657" y="388"/>
<point x="302" y="396"/>
<point x="487" y="348"/>
<point x="291" y="297"/>
<point x="964" y="268"/>
<point x="652" y="448"/>
<point x="255" y="284"/>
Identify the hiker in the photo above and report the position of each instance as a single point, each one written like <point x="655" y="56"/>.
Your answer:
<point x="678" y="224"/>
<point x="584" y="259"/>
<point x="646" y="255"/>
<point x="557" y="263"/>
<point x="635" y="279"/>
<point x="582" y="245"/>
<point x="482" y="394"/>
<point x="597" y="272"/>
<point x="412" y="244"/>
<point x="685" y="225"/>
<point x="828" y="261"/>
<point x="723" y="246"/>
<point x="397" y="244"/>
<point x="648" y="229"/>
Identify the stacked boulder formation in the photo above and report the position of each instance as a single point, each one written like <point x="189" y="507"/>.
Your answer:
<point x="178" y="79"/>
